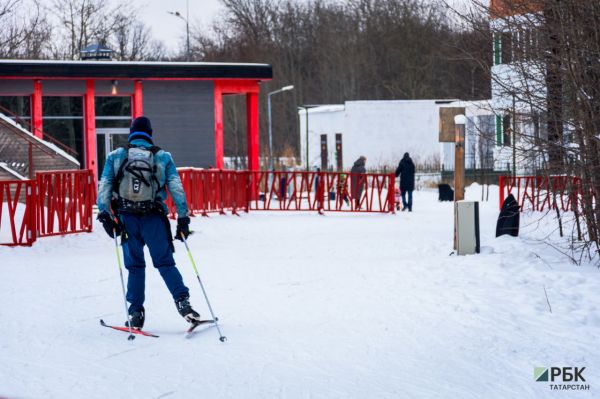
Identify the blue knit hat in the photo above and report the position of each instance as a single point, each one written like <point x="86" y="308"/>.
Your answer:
<point x="141" y="128"/>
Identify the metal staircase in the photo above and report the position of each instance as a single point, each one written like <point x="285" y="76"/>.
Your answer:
<point x="22" y="154"/>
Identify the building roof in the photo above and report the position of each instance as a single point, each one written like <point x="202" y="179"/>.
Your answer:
<point x="132" y="70"/>
<point x="507" y="8"/>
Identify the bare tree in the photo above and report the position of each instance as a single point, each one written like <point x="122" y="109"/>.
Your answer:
<point x="23" y="34"/>
<point x="84" y="22"/>
<point x="335" y="51"/>
<point x="546" y="92"/>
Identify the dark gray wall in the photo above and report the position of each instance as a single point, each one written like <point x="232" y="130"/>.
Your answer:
<point x="16" y="87"/>
<point x="183" y="120"/>
<point x="63" y="87"/>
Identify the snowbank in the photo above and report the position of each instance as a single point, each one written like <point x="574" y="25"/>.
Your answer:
<point x="335" y="306"/>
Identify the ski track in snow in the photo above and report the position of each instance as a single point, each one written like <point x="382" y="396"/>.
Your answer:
<point x="335" y="306"/>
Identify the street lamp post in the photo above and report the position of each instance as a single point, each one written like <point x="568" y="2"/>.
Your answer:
<point x="306" y="108"/>
<point x="187" y="26"/>
<point x="286" y="88"/>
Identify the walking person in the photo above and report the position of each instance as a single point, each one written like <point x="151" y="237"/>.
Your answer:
<point x="406" y="172"/>
<point x="131" y="195"/>
<point x="358" y="182"/>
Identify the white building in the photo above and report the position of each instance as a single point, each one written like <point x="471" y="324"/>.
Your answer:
<point x="520" y="124"/>
<point x="380" y="130"/>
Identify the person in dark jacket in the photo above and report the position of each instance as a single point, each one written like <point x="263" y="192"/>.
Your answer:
<point x="358" y="182"/>
<point x="406" y="172"/>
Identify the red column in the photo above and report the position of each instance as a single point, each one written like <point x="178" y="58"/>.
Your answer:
<point x="36" y="109"/>
<point x="218" y="127"/>
<point x="252" y="134"/>
<point x="90" y="129"/>
<point x="137" y="99"/>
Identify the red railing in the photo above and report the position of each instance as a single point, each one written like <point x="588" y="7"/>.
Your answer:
<point x="323" y="191"/>
<point x="56" y="202"/>
<point x="210" y="190"/>
<point x="17" y="212"/>
<point x="65" y="200"/>
<point x="218" y="191"/>
<point x="539" y="193"/>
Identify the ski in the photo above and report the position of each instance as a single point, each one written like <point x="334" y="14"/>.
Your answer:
<point x="195" y="325"/>
<point x="126" y="329"/>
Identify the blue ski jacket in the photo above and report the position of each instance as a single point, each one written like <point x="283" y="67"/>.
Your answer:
<point x="166" y="173"/>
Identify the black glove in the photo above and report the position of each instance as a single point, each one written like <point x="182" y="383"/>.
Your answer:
<point x="110" y="224"/>
<point x="183" y="227"/>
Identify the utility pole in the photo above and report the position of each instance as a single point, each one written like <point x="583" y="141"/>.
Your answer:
<point x="286" y="88"/>
<point x="306" y="108"/>
<point x="460" y="122"/>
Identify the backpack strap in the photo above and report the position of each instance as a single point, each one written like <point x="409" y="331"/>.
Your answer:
<point x="119" y="175"/>
<point x="155" y="149"/>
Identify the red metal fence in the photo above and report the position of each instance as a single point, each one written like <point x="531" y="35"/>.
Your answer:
<point x="322" y="191"/>
<point x="65" y="201"/>
<point x="17" y="212"/>
<point x="60" y="202"/>
<point x="57" y="202"/>
<point x="212" y="191"/>
<point x="218" y="191"/>
<point x="541" y="193"/>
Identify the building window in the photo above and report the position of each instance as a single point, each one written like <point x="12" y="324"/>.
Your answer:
<point x="507" y="48"/>
<point x="113" y="118"/>
<point x="485" y="148"/>
<point x="506" y="131"/>
<point x="113" y="112"/>
<point x="16" y="107"/>
<point x="497" y="49"/>
<point x="63" y="121"/>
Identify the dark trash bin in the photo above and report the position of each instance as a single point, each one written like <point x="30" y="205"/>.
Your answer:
<point x="508" y="221"/>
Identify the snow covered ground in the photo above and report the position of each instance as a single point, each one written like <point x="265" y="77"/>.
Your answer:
<point x="335" y="306"/>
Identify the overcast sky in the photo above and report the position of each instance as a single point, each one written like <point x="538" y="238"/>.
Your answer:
<point x="170" y="29"/>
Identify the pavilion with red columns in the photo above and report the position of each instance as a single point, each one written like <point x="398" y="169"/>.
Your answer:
<point x="87" y="106"/>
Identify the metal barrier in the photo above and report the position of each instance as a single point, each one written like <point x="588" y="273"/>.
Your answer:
<point x="358" y="192"/>
<point x="65" y="200"/>
<point x="323" y="191"/>
<point x="210" y="190"/>
<point x="539" y="193"/>
<point x="218" y="191"/>
<point x="18" y="212"/>
<point x="56" y="202"/>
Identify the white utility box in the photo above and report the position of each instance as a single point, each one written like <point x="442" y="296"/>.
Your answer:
<point x="466" y="214"/>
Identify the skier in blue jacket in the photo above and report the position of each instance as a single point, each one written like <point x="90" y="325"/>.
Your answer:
<point x="131" y="195"/>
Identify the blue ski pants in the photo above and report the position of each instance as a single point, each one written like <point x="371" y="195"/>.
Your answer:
<point x="149" y="230"/>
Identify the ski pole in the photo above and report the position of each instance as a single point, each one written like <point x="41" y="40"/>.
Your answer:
<point x="222" y="338"/>
<point x="131" y="336"/>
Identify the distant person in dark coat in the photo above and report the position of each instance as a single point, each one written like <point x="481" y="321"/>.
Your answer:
<point x="406" y="171"/>
<point x="358" y="182"/>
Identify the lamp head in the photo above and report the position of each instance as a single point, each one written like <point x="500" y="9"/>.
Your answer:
<point x="460" y="120"/>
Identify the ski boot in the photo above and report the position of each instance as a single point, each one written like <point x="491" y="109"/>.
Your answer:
<point x="185" y="309"/>
<point x="137" y="318"/>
